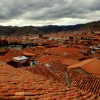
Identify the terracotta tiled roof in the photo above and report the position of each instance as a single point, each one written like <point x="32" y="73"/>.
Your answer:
<point x="70" y="50"/>
<point x="70" y="61"/>
<point x="61" y="51"/>
<point x="61" y="59"/>
<point x="10" y="54"/>
<point x="47" y="72"/>
<point x="43" y="59"/>
<point x="94" y="55"/>
<point x="41" y="47"/>
<point x="13" y="40"/>
<point x="20" y="84"/>
<point x="91" y="66"/>
<point x="36" y="51"/>
<point x="56" y="72"/>
<point x="87" y="83"/>
<point x="49" y="58"/>
<point x="53" y="51"/>
<point x="80" y="64"/>
<point x="28" y="54"/>
<point x="76" y="55"/>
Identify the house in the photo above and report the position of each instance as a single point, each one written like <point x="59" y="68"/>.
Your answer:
<point x="68" y="61"/>
<point x="20" y="59"/>
<point x="21" y="84"/>
<point x="89" y="66"/>
<point x="3" y="42"/>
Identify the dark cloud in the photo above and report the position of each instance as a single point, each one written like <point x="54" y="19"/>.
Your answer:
<point x="48" y="10"/>
<point x="95" y="5"/>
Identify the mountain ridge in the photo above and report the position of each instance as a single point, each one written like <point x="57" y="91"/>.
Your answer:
<point x="10" y="30"/>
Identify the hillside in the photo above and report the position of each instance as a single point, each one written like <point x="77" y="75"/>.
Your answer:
<point x="9" y="30"/>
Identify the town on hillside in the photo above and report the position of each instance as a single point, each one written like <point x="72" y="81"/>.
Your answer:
<point x="61" y="66"/>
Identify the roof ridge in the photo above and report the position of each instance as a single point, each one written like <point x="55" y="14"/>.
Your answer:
<point x="89" y="61"/>
<point x="81" y="64"/>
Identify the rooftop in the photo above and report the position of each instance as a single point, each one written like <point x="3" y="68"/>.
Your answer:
<point x="21" y="84"/>
<point x="19" y="58"/>
<point x="91" y="66"/>
<point x="55" y="69"/>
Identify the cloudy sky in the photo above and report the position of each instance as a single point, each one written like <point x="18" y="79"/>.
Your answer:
<point x="48" y="12"/>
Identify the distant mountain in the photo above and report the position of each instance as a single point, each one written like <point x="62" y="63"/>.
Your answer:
<point x="9" y="30"/>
